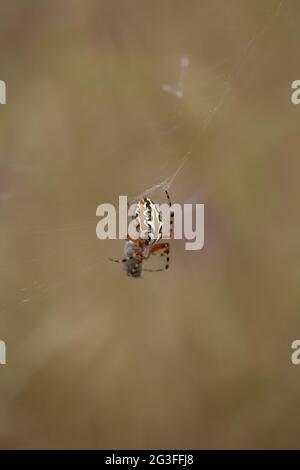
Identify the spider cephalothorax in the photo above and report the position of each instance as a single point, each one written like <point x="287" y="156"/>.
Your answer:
<point x="149" y="226"/>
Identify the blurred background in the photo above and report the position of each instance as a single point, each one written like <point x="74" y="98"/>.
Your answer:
<point x="194" y="357"/>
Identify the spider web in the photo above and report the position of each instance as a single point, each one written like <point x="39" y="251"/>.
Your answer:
<point x="178" y="92"/>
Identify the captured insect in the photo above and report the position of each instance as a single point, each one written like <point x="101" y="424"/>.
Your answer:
<point x="148" y="220"/>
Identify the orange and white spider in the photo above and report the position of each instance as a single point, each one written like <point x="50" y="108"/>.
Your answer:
<point x="148" y="220"/>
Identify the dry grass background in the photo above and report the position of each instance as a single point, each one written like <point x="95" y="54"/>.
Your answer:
<point x="197" y="357"/>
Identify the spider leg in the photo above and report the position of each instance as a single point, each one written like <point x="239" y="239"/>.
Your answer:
<point x="123" y="260"/>
<point x="160" y="246"/>
<point x="154" y="270"/>
<point x="166" y="250"/>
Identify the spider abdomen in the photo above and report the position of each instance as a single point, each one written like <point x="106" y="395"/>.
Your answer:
<point x="148" y="220"/>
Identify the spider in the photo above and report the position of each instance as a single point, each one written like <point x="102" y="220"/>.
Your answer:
<point x="149" y="225"/>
